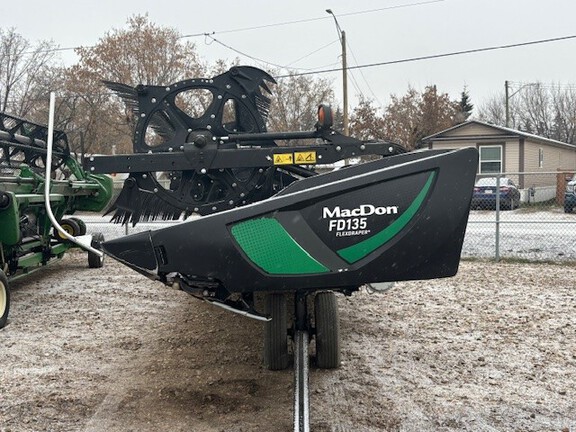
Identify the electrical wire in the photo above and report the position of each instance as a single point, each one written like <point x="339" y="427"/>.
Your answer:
<point x="279" y="24"/>
<point x="543" y="85"/>
<point x="306" y="20"/>
<point x="364" y="78"/>
<point x="313" y="52"/>
<point x="248" y="55"/>
<point x="288" y="67"/>
<point x="435" y="56"/>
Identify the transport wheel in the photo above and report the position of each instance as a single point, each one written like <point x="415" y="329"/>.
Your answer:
<point x="4" y="299"/>
<point x="327" y="330"/>
<point x="71" y="226"/>
<point x="95" y="261"/>
<point x="276" y="333"/>
<point x="81" y="224"/>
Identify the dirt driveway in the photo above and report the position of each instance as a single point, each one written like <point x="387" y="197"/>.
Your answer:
<point x="493" y="349"/>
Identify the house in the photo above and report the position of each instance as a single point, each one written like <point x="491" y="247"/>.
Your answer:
<point x="530" y="160"/>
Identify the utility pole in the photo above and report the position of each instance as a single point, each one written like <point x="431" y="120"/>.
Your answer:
<point x="345" y="82"/>
<point x="506" y="92"/>
<point x="509" y="96"/>
<point x="342" y="37"/>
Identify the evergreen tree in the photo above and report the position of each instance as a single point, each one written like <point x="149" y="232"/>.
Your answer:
<point x="465" y="107"/>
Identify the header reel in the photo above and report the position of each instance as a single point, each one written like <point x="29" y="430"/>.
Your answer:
<point x="201" y="146"/>
<point x="24" y="142"/>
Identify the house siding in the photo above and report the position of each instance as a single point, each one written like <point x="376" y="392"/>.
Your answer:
<point x="512" y="156"/>
<point x="554" y="157"/>
<point x="521" y="154"/>
<point x="452" y="145"/>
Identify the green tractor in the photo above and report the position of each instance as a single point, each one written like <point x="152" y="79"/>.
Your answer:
<point x="28" y="239"/>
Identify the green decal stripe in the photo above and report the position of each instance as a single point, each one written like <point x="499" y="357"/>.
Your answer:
<point x="360" y="250"/>
<point x="270" y="247"/>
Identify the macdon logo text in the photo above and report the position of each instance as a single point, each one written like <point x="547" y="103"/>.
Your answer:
<point x="362" y="210"/>
<point x="354" y="222"/>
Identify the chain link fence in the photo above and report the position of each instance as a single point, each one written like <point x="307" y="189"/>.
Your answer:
<point x="522" y="216"/>
<point x="525" y="220"/>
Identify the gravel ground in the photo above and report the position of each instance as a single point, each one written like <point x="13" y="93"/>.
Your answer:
<point x="492" y="349"/>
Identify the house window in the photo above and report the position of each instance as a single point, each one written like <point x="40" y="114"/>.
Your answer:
<point x="490" y="159"/>
<point x="541" y="158"/>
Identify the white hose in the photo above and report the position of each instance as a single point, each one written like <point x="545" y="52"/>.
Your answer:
<point x="85" y="242"/>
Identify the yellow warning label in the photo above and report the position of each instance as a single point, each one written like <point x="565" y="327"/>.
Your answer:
<point x="283" y="159"/>
<point x="305" y="157"/>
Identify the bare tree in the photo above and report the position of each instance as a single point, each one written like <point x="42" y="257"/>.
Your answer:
<point x="23" y="69"/>
<point x="142" y="53"/>
<point x="416" y="115"/>
<point x="366" y="123"/>
<point x="535" y="111"/>
<point x="493" y="111"/>
<point x="564" y="106"/>
<point x="295" y="102"/>
<point x="545" y="110"/>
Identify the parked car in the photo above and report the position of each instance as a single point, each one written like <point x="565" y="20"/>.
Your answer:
<point x="484" y="196"/>
<point x="570" y="196"/>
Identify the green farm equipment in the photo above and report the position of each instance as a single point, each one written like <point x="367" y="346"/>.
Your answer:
<point x="28" y="239"/>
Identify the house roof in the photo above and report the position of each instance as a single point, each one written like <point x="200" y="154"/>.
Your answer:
<point x="504" y="132"/>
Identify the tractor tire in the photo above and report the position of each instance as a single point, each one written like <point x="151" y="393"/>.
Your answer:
<point x="71" y="226"/>
<point x="276" y="333"/>
<point x="81" y="224"/>
<point x="95" y="261"/>
<point x="4" y="299"/>
<point x="327" y="330"/>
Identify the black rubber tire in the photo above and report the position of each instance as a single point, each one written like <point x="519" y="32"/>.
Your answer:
<point x="95" y="261"/>
<point x="276" y="333"/>
<point x="327" y="330"/>
<point x="71" y="226"/>
<point x="568" y="209"/>
<point x="5" y="200"/>
<point x="4" y="299"/>
<point x="81" y="224"/>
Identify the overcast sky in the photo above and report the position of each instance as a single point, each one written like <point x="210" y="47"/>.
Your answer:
<point x="289" y="33"/>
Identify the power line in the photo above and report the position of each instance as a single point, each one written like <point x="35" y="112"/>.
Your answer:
<point x="287" y="67"/>
<point x="247" y="55"/>
<point x="435" y="56"/>
<point x="307" y="20"/>
<point x="364" y="78"/>
<point x="313" y="52"/>
<point x="543" y="85"/>
<point x="279" y="24"/>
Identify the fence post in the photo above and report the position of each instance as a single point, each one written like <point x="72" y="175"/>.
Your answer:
<point x="497" y="239"/>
